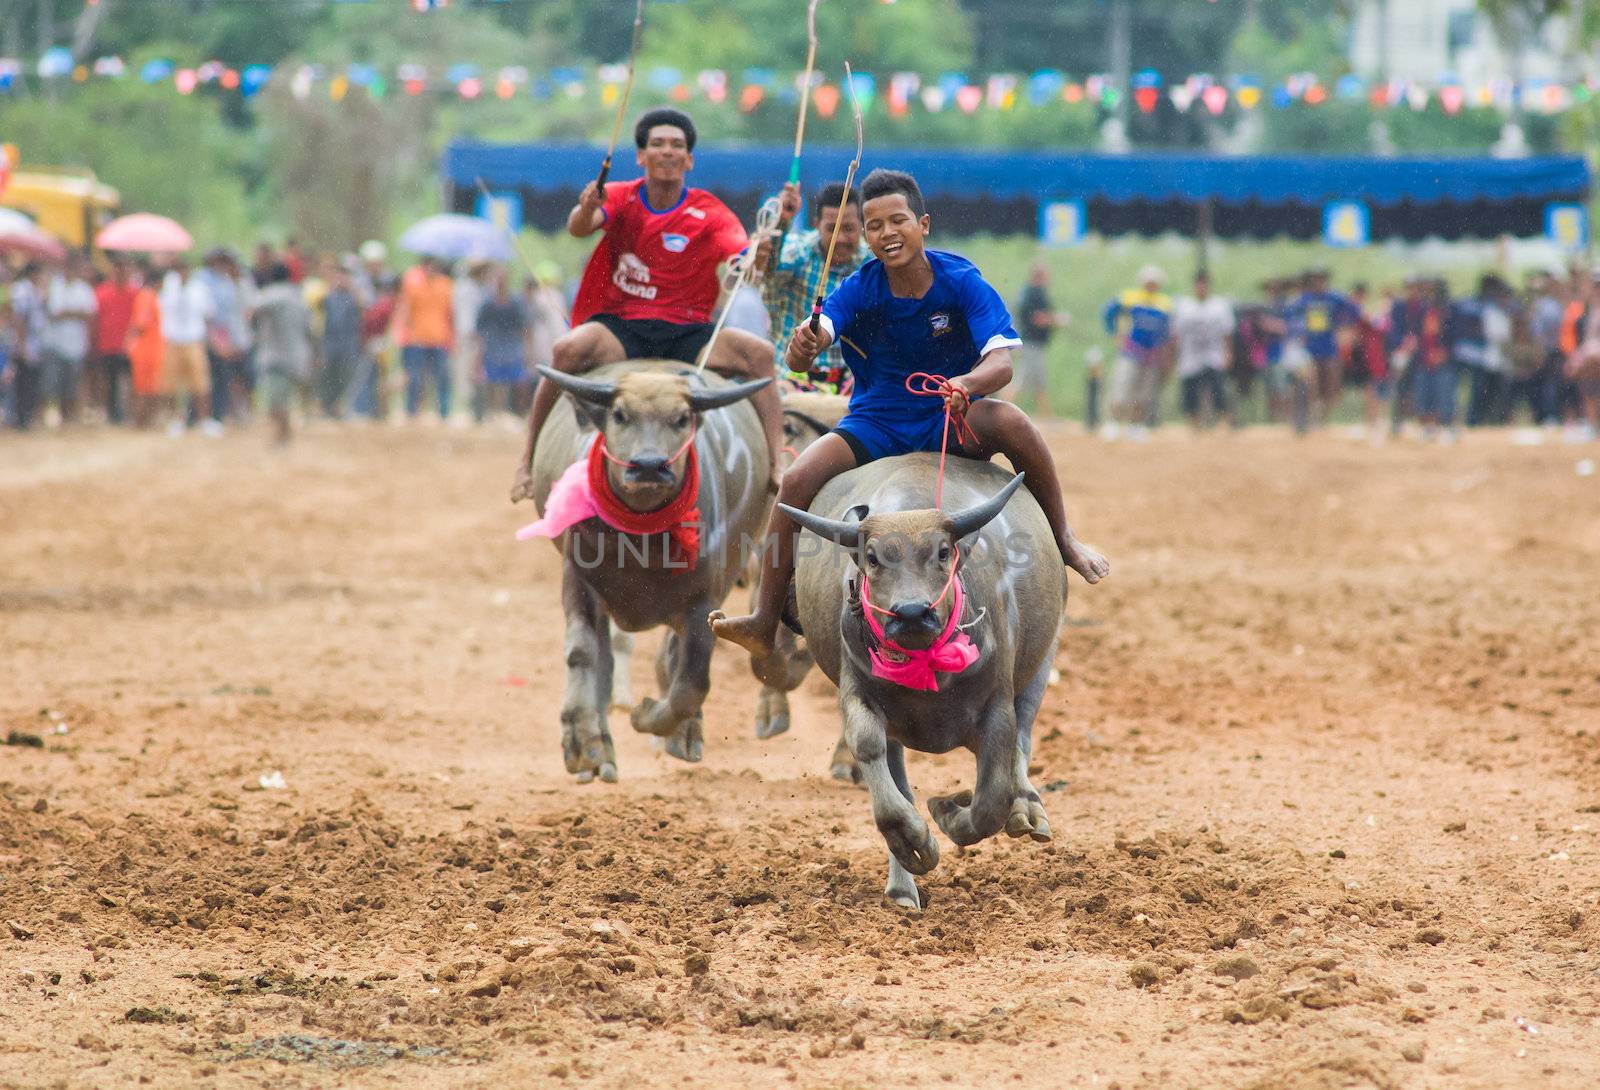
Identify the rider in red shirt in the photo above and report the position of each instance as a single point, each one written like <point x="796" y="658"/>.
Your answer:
<point x="650" y="286"/>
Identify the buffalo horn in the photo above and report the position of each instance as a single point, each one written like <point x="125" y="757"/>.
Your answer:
<point x="595" y="393"/>
<point x="701" y="400"/>
<point x="847" y="534"/>
<point x="976" y="518"/>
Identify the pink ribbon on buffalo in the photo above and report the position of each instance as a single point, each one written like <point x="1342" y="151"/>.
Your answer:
<point x="951" y="653"/>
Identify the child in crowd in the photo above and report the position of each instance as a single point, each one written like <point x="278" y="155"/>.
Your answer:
<point x="909" y="309"/>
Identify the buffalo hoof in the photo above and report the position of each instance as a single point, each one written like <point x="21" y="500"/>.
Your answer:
<point x="846" y="772"/>
<point x="1028" y="819"/>
<point x="607" y="774"/>
<point x="913" y="846"/>
<point x="947" y="809"/>
<point x="689" y="743"/>
<point x="652" y="716"/>
<point x="902" y="889"/>
<point x="772" y="727"/>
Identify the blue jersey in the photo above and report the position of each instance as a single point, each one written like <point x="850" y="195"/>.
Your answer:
<point x="1318" y="316"/>
<point x="886" y="339"/>
<point x="1149" y="321"/>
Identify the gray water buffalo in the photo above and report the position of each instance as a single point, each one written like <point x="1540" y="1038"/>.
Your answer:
<point x="651" y="414"/>
<point x="807" y="417"/>
<point x="907" y="555"/>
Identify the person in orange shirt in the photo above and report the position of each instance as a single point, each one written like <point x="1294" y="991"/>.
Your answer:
<point x="424" y="329"/>
<point x="146" y="348"/>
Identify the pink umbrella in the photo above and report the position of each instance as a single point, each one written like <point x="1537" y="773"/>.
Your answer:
<point x="143" y="232"/>
<point x="19" y="234"/>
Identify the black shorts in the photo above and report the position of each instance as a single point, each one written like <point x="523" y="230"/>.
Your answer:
<point x="654" y="339"/>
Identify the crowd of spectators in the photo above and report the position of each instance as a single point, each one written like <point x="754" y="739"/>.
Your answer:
<point x="1491" y="356"/>
<point x="163" y="343"/>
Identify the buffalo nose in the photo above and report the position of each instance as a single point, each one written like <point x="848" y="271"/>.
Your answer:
<point x="912" y="614"/>
<point x="649" y="466"/>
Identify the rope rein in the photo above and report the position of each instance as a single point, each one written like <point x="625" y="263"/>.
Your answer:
<point x="926" y="385"/>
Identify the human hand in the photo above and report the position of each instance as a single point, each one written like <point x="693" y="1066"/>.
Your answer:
<point x="803" y="347"/>
<point x="592" y="199"/>
<point x="957" y="397"/>
<point x="788" y="203"/>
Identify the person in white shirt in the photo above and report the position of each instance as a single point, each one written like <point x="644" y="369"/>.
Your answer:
<point x="185" y="309"/>
<point x="465" y="302"/>
<point x="1203" y="326"/>
<point x="70" y="308"/>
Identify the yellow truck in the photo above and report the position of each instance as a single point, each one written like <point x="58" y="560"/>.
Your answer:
<point x="71" y="204"/>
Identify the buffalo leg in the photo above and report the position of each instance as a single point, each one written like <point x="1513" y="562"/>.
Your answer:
<point x="901" y="887"/>
<point x="585" y="740"/>
<point x="1027" y="816"/>
<point x="622" y="673"/>
<point x="780" y="674"/>
<point x="677" y="717"/>
<point x="907" y="835"/>
<point x="969" y="817"/>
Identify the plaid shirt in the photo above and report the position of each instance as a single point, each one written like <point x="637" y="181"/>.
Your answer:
<point x="792" y="287"/>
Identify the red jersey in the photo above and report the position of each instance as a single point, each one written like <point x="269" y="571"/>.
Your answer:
<point x="113" y="316"/>
<point x="658" y="264"/>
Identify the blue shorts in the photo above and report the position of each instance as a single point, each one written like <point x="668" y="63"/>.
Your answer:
<point x="871" y="437"/>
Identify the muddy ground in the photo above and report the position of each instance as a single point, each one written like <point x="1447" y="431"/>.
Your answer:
<point x="1323" y="769"/>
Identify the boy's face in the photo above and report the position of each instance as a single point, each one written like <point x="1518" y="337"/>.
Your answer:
<point x="895" y="233"/>
<point x="665" y="156"/>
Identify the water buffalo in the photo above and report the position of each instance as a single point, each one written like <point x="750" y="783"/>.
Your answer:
<point x="899" y="568"/>
<point x="658" y="430"/>
<point x="807" y="417"/>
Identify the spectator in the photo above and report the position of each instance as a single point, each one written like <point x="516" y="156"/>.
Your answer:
<point x="30" y="320"/>
<point x="295" y="260"/>
<point x="1583" y="364"/>
<point x="1370" y="354"/>
<point x="377" y="363"/>
<point x="114" y="298"/>
<point x="1202" y="326"/>
<point x="423" y="329"/>
<point x="146" y="349"/>
<point x="1037" y="321"/>
<point x="374" y="271"/>
<point x="227" y="335"/>
<point x="70" y="306"/>
<point x="342" y="317"/>
<point x="185" y="310"/>
<point x="1536" y="352"/>
<point x="283" y="347"/>
<point x="547" y="310"/>
<point x="1136" y="376"/>
<point x="1435" y="363"/>
<point x="1322" y="318"/>
<point x="501" y="334"/>
<point x="1492" y="376"/>
<point x="467" y="297"/>
<point x="794" y="274"/>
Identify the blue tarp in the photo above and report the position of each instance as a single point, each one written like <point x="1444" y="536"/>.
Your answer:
<point x="1044" y="175"/>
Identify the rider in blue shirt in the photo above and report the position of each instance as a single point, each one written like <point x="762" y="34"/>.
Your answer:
<point x="908" y="309"/>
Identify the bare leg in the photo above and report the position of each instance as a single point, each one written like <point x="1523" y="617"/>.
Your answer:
<point x="746" y="356"/>
<point x="590" y="345"/>
<point x="817" y="465"/>
<point x="1004" y="429"/>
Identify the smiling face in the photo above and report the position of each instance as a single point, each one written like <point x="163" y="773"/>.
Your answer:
<point x="895" y="233"/>
<point x="665" y="157"/>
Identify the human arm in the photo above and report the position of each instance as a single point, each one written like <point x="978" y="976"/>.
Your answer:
<point x="788" y="205"/>
<point x="589" y="214"/>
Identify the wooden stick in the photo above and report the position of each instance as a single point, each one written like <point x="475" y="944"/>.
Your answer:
<point x="627" y="92"/>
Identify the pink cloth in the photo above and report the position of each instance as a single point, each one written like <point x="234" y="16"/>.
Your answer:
<point x="951" y="653"/>
<point x="571" y="501"/>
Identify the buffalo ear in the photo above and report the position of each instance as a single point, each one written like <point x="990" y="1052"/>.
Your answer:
<point x="858" y="513"/>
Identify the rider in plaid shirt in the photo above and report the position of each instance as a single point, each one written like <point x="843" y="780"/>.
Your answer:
<point x="793" y="280"/>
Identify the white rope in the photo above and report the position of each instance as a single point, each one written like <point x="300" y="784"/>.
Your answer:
<point x="743" y="268"/>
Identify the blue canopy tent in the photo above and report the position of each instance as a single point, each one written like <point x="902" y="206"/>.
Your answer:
<point x="1002" y="191"/>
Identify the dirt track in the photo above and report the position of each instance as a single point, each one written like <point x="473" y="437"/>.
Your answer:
<point x="1332" y="727"/>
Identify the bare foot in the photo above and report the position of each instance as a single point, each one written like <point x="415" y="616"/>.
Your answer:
<point x="752" y="632"/>
<point x="1086" y="561"/>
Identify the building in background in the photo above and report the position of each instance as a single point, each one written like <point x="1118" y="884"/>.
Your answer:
<point x="1424" y="40"/>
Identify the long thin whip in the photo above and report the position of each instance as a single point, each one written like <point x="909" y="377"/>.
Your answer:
<point x="741" y="267"/>
<point x="844" y="201"/>
<point x="805" y="89"/>
<point x="510" y="234"/>
<point x="627" y="92"/>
